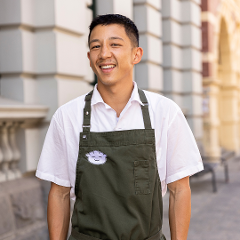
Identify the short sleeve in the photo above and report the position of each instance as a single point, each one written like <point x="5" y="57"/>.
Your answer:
<point x="182" y="158"/>
<point x="52" y="165"/>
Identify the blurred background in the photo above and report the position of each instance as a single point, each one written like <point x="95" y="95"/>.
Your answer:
<point x="191" y="55"/>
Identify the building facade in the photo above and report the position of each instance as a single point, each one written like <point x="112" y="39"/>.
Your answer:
<point x="43" y="56"/>
<point x="221" y="75"/>
<point x="191" y="55"/>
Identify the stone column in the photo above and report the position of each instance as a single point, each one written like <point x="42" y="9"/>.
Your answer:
<point x="229" y="134"/>
<point x="211" y="122"/>
<point x="210" y="81"/>
<point x="147" y="16"/>
<point x="182" y="59"/>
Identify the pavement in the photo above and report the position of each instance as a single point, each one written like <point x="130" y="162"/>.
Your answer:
<point x="215" y="216"/>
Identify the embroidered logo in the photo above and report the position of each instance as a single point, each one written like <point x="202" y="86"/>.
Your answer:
<point x="96" y="157"/>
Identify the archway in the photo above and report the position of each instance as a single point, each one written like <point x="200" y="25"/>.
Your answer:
<point x="228" y="94"/>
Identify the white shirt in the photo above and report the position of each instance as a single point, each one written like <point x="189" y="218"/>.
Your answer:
<point x="176" y="148"/>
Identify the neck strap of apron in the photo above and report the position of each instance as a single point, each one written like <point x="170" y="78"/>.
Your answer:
<point x="145" y="112"/>
<point x="87" y="111"/>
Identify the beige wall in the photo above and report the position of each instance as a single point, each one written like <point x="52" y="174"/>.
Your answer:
<point x="221" y="61"/>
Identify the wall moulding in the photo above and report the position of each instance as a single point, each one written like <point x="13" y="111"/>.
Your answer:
<point x="208" y="17"/>
<point x="17" y="111"/>
<point x="180" y="22"/>
<point x="211" y="81"/>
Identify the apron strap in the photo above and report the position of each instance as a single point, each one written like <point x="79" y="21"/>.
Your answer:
<point x="87" y="112"/>
<point x="145" y="112"/>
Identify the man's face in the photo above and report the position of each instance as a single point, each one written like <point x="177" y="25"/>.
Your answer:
<point x="111" y="55"/>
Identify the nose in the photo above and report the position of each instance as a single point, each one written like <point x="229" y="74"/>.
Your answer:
<point x="105" y="52"/>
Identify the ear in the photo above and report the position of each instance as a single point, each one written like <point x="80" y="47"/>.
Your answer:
<point x="138" y="53"/>
<point x="88" y="55"/>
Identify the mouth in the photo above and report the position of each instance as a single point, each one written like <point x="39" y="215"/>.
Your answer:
<point x="107" y="68"/>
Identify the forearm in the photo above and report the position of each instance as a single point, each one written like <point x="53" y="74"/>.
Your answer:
<point x="58" y="214"/>
<point x="179" y="213"/>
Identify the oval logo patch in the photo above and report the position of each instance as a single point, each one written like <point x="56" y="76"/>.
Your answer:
<point x="96" y="157"/>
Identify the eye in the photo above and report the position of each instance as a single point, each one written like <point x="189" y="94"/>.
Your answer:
<point x="94" y="47"/>
<point x="115" y="45"/>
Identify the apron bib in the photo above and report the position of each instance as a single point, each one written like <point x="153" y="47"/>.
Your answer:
<point x="118" y="190"/>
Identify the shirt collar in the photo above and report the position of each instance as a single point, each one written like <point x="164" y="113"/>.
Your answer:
<point x="96" y="97"/>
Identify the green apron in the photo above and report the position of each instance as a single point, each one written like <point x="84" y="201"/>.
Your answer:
<point x="118" y="190"/>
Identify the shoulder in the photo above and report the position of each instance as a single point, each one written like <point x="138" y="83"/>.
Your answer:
<point x="159" y="102"/>
<point x="70" y="112"/>
<point x="164" y="110"/>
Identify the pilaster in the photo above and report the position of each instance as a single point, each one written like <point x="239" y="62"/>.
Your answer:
<point x="147" y="17"/>
<point x="182" y="64"/>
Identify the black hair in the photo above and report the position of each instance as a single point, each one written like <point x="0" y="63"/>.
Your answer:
<point x="107" y="19"/>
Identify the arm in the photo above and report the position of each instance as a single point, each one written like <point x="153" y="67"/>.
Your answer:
<point x="179" y="208"/>
<point x="58" y="212"/>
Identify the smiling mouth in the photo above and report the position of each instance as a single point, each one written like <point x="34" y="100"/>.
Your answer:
<point x="107" y="67"/>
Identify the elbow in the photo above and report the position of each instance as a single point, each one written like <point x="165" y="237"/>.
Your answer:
<point x="179" y="186"/>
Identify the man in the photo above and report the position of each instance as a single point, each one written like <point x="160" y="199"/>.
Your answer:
<point x="132" y="144"/>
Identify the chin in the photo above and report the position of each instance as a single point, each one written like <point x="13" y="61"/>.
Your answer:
<point x="107" y="82"/>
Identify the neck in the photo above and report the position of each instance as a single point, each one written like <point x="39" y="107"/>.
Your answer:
<point x="116" y="96"/>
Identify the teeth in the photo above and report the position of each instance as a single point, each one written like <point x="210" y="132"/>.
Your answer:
<point x="107" y="66"/>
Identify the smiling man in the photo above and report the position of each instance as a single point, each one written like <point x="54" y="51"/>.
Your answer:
<point x="116" y="149"/>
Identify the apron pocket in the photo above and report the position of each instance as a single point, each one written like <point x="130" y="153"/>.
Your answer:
<point x="141" y="177"/>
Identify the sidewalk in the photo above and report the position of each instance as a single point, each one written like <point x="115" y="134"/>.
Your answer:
<point x="215" y="216"/>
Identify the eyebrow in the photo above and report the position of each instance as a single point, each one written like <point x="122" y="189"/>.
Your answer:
<point x="111" y="38"/>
